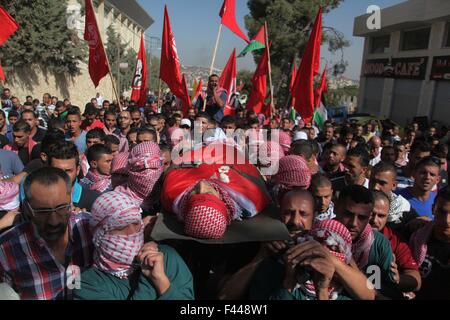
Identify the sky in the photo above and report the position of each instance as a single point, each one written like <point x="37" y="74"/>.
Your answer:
<point x="195" y="24"/>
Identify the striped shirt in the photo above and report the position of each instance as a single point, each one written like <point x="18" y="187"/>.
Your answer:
<point x="29" y="267"/>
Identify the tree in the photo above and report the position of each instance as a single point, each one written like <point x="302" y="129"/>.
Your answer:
<point x="119" y="52"/>
<point x="43" y="38"/>
<point x="245" y="76"/>
<point x="153" y="72"/>
<point x="290" y="23"/>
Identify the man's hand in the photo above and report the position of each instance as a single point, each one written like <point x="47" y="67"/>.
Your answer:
<point x="394" y="270"/>
<point x="8" y="219"/>
<point x="313" y="255"/>
<point x="78" y="210"/>
<point x="152" y="263"/>
<point x="274" y="247"/>
<point x="149" y="223"/>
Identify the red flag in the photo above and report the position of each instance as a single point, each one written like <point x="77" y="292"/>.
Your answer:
<point x="259" y="81"/>
<point x="228" y="77"/>
<point x="139" y="84"/>
<point x="303" y="91"/>
<point x="228" y="15"/>
<point x="169" y="70"/>
<point x="98" y="63"/>
<point x="322" y="88"/>
<point x="8" y="27"/>
<point x="2" y="74"/>
<point x="199" y="88"/>
<point x="185" y="97"/>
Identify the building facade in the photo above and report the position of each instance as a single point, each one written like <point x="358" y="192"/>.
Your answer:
<point x="128" y="19"/>
<point x="406" y="64"/>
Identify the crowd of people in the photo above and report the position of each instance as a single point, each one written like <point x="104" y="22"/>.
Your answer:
<point x="366" y="207"/>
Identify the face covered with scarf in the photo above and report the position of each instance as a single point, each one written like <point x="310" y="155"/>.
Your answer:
<point x="118" y="233"/>
<point x="206" y="210"/>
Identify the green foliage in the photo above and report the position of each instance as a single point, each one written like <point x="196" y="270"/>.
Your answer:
<point x="334" y="96"/>
<point x="43" y="38"/>
<point x="119" y="52"/>
<point x="245" y="76"/>
<point x="290" y="23"/>
<point x="153" y="72"/>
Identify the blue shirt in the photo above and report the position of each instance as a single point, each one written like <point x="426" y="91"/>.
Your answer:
<point x="10" y="164"/>
<point x="80" y="142"/>
<point x="423" y="208"/>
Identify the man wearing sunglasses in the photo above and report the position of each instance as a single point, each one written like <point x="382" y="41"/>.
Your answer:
<point x="41" y="257"/>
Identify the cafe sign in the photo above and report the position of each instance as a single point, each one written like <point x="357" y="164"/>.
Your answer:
<point x="398" y="68"/>
<point x="441" y="68"/>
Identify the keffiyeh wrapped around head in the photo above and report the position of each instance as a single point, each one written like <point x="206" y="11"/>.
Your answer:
<point x="9" y="196"/>
<point x="114" y="254"/>
<point x="338" y="240"/>
<point x="206" y="216"/>
<point x="293" y="172"/>
<point x="335" y="236"/>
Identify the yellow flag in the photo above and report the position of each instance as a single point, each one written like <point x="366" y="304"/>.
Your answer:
<point x="194" y="89"/>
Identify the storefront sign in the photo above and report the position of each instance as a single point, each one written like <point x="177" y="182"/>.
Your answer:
<point x="441" y="68"/>
<point x="400" y="68"/>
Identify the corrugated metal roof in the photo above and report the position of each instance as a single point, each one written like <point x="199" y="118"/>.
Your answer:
<point x="134" y="11"/>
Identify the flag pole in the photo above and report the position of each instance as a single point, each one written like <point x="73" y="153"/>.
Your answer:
<point x="213" y="59"/>
<point x="270" y="69"/>
<point x="159" y="94"/>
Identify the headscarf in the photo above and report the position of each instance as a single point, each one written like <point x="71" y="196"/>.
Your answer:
<point x="293" y="172"/>
<point x="119" y="173"/>
<point x="419" y="242"/>
<point x="144" y="168"/>
<point x="285" y="141"/>
<point x="206" y="216"/>
<point x="98" y="182"/>
<point x="114" y="254"/>
<point x="338" y="240"/>
<point x="361" y="248"/>
<point x="9" y="196"/>
<point x="269" y="152"/>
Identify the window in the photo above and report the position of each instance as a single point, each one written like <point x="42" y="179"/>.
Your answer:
<point x="416" y="39"/>
<point x="447" y="38"/>
<point x="380" y="44"/>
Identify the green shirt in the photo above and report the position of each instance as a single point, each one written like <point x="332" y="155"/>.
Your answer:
<point x="266" y="284"/>
<point x="380" y="255"/>
<point x="99" y="285"/>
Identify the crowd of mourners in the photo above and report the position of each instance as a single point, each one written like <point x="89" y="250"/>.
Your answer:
<point x="365" y="206"/>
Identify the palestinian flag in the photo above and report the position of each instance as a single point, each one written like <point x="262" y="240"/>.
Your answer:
<point x="257" y="43"/>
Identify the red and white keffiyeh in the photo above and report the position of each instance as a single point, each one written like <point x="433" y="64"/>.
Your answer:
<point x="361" y="248"/>
<point x="338" y="240"/>
<point x="285" y="141"/>
<point x="9" y="196"/>
<point x="293" y="172"/>
<point x="419" y="242"/>
<point x="114" y="254"/>
<point x="144" y="168"/>
<point x="206" y="216"/>
<point x="97" y="182"/>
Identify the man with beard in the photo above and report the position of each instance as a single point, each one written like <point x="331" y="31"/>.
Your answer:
<point x="39" y="254"/>
<point x="124" y="127"/>
<point x="431" y="249"/>
<point x="370" y="248"/>
<point x="297" y="213"/>
<point x="356" y="163"/>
